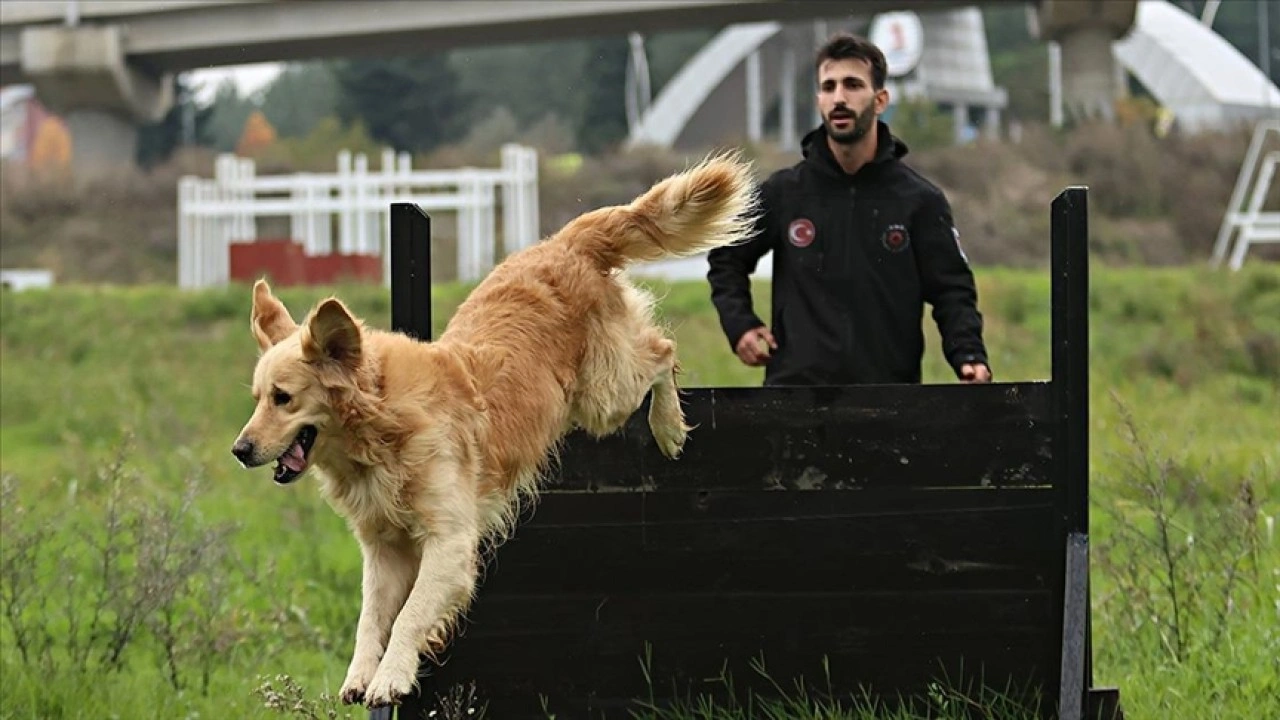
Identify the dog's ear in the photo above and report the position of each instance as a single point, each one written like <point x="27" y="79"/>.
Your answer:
<point x="270" y="320"/>
<point x="332" y="334"/>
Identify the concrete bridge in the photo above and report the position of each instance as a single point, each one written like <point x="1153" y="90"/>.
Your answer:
<point x="106" y="65"/>
<point x="1194" y="73"/>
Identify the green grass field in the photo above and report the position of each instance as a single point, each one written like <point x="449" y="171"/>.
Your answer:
<point x="145" y="575"/>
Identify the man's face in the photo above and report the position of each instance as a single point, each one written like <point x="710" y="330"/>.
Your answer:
<point x="847" y="100"/>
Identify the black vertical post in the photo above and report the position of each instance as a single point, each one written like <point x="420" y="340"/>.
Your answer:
<point x="1070" y="290"/>
<point x="1069" y="237"/>
<point x="410" y="270"/>
<point x="410" y="298"/>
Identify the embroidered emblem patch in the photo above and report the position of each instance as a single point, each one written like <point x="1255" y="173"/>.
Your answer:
<point x="895" y="238"/>
<point x="801" y="232"/>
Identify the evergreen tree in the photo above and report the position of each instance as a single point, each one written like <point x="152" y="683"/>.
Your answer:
<point x="230" y="111"/>
<point x="603" y="119"/>
<point x="300" y="97"/>
<point x="531" y="80"/>
<point x="186" y="123"/>
<point x="412" y="103"/>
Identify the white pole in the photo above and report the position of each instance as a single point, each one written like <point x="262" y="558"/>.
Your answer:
<point x="510" y="199"/>
<point x="755" y="101"/>
<point x="1055" y="85"/>
<point x="477" y="227"/>
<point x="486" y="213"/>
<point x="323" y="218"/>
<point x="819" y="36"/>
<point x="787" y="124"/>
<point x="184" y="231"/>
<point x="220" y="224"/>
<point x="1264" y="42"/>
<point x="464" y="230"/>
<point x="636" y="92"/>
<point x="1210" y="12"/>
<point x="530" y="204"/>
<point x="359" y="203"/>
<point x="390" y="193"/>
<point x="298" y="218"/>
<point x="215" y="238"/>
<point x="346" y="233"/>
<point x="248" y="220"/>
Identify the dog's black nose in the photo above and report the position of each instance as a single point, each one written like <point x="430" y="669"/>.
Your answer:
<point x="243" y="450"/>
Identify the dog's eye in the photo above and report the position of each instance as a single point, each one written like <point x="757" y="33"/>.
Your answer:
<point x="281" y="397"/>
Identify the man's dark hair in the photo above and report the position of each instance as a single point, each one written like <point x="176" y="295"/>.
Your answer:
<point x="847" y="46"/>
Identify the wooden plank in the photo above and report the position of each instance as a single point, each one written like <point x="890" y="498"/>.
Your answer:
<point x="1074" y="684"/>
<point x="586" y="649"/>
<point x="753" y="541"/>
<point x="830" y="438"/>
<point x="839" y="621"/>
<point x="694" y="504"/>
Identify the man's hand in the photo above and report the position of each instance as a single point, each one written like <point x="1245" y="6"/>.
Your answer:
<point x="975" y="373"/>
<point x="754" y="346"/>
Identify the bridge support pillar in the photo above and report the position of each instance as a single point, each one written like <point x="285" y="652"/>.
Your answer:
<point x="1084" y="31"/>
<point x="81" y="74"/>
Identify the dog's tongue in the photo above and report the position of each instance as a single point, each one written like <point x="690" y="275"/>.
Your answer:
<point x="294" y="459"/>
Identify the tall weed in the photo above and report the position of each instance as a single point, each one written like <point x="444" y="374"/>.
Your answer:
<point x="102" y="578"/>
<point x="1187" y="564"/>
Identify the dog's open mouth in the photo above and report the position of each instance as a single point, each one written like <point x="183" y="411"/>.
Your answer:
<point x="293" y="461"/>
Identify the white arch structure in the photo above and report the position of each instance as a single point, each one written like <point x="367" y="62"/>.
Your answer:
<point x="691" y="86"/>
<point x="1193" y="71"/>
<point x="1188" y="67"/>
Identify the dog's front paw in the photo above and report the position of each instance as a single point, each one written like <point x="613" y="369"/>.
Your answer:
<point x="670" y="437"/>
<point x="352" y="695"/>
<point x="388" y="687"/>
<point x="358" y="677"/>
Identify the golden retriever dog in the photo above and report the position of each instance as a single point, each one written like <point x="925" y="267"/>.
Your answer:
<point x="429" y="448"/>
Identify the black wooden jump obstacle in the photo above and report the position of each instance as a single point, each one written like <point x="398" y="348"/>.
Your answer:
<point x="867" y="541"/>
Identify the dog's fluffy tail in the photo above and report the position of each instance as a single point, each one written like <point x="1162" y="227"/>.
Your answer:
<point x="706" y="206"/>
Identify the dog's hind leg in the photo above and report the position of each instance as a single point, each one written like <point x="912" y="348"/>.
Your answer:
<point x="389" y="569"/>
<point x="444" y="586"/>
<point x="666" y="419"/>
<point x="627" y="358"/>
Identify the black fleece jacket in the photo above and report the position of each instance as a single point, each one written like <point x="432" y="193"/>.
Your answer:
<point x="855" y="257"/>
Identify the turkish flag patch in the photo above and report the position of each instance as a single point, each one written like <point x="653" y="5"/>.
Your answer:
<point x="801" y="232"/>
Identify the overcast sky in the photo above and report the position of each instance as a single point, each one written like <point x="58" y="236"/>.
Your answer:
<point x="248" y="78"/>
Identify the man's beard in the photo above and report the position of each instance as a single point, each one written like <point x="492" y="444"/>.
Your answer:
<point x="862" y="122"/>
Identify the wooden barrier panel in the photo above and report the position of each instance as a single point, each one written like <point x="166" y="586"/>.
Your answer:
<point x="831" y="438"/>
<point x="895" y="545"/>
<point x="861" y="540"/>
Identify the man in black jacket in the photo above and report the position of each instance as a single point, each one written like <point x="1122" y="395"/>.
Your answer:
<point x="860" y="242"/>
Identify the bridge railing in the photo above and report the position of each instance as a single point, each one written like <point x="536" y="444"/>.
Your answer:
<point x="346" y="212"/>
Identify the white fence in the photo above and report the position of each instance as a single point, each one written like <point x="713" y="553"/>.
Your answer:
<point x="356" y="203"/>
<point x="19" y="279"/>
